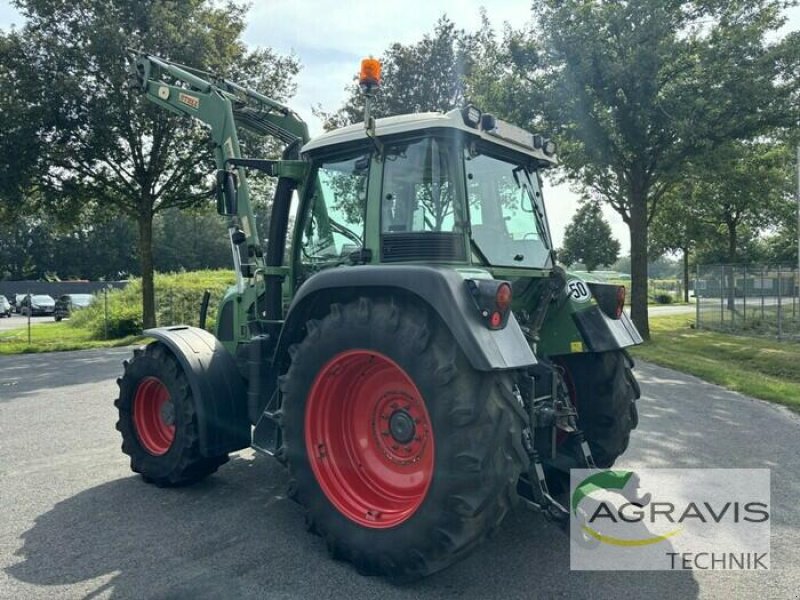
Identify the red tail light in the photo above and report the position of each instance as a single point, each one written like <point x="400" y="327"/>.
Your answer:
<point x="492" y="298"/>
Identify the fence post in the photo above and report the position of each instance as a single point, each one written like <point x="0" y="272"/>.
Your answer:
<point x="697" y="295"/>
<point x="105" y="311"/>
<point x="744" y="294"/>
<point x="30" y="312"/>
<point x="780" y="312"/>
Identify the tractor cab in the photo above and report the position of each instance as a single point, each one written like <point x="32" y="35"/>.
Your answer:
<point x="456" y="188"/>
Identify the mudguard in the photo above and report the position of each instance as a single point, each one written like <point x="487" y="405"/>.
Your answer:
<point x="602" y="333"/>
<point x="444" y="290"/>
<point x="217" y="387"/>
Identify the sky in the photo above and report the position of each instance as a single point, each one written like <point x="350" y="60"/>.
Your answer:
<point x="330" y="37"/>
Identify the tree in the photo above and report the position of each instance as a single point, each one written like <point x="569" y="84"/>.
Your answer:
<point x="745" y="187"/>
<point x="103" y="143"/>
<point x="636" y="89"/>
<point x="677" y="228"/>
<point x="587" y="239"/>
<point x="190" y="240"/>
<point x="19" y="142"/>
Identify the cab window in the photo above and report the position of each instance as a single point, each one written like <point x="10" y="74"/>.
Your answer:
<point x="334" y="229"/>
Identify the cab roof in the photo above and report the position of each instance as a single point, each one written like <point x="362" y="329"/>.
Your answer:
<point x="388" y="126"/>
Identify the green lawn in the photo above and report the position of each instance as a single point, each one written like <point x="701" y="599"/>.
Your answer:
<point x="47" y="337"/>
<point x="758" y="367"/>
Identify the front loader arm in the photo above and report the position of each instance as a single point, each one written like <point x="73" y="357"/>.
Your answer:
<point x="222" y="105"/>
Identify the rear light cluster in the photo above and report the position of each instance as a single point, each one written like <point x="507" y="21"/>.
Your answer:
<point x="492" y="299"/>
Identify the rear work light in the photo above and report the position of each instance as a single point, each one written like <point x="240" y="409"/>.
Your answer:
<point x="492" y="299"/>
<point x="471" y="115"/>
<point x="611" y="298"/>
<point x="620" y="302"/>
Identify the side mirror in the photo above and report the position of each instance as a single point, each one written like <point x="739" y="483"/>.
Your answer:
<point x="227" y="193"/>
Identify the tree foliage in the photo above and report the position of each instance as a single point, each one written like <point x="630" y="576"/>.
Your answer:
<point x="429" y="75"/>
<point x="637" y="89"/>
<point x="588" y="239"/>
<point x="740" y="190"/>
<point x="733" y="205"/>
<point x="100" y="141"/>
<point x="19" y="141"/>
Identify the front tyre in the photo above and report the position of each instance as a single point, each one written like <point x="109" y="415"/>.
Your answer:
<point x="404" y="457"/>
<point x="158" y="422"/>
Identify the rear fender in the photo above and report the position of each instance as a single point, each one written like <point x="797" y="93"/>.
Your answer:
<point x="443" y="290"/>
<point x="217" y="387"/>
<point x="579" y="321"/>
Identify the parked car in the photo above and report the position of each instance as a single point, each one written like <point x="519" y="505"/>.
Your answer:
<point x="69" y="302"/>
<point x="18" y="298"/>
<point x="39" y="304"/>
<point x="5" y="307"/>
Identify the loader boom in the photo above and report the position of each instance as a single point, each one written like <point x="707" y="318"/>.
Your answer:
<point x="223" y="105"/>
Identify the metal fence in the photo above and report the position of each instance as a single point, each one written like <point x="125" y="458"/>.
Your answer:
<point x="749" y="299"/>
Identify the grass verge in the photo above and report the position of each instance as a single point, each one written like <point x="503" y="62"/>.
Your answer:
<point x="758" y="367"/>
<point x="49" y="337"/>
<point x="119" y="316"/>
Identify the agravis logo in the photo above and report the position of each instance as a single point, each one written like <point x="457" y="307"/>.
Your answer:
<point x="614" y="481"/>
<point x="670" y="518"/>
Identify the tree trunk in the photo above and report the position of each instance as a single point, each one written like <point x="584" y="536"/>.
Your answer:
<point x="146" y="264"/>
<point x="686" y="275"/>
<point x="731" y="243"/>
<point x="731" y="270"/>
<point x="638" y="230"/>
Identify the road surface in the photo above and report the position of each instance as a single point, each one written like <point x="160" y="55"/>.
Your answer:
<point x="76" y="523"/>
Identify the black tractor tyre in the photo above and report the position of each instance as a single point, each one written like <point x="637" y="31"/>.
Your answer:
<point x="473" y="423"/>
<point x="604" y="391"/>
<point x="162" y="441"/>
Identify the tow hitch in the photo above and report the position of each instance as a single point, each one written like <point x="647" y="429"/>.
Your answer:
<point x="552" y="412"/>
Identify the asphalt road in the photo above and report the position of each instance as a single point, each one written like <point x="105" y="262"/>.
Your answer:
<point x="76" y="523"/>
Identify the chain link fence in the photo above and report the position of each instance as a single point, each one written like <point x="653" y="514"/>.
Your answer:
<point x="749" y="300"/>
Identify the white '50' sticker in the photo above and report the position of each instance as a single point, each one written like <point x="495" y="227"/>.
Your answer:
<point x="578" y="291"/>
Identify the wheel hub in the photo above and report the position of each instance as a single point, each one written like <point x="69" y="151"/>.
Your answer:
<point x="401" y="426"/>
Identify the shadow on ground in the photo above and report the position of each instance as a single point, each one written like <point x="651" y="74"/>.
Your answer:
<point x="236" y="536"/>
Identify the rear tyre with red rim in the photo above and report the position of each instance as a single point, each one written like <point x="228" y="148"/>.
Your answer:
<point x="158" y="422"/>
<point x="404" y="457"/>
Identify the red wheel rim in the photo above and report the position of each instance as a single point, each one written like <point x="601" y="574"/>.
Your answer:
<point x="154" y="416"/>
<point x="369" y="439"/>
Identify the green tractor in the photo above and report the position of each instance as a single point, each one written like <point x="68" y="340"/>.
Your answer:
<point x="403" y="342"/>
